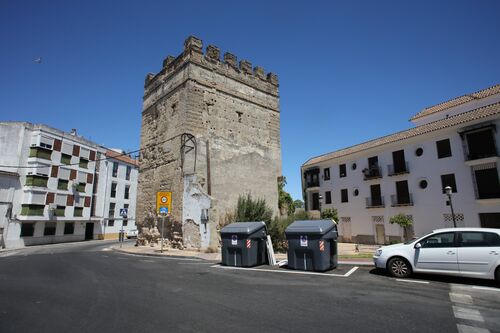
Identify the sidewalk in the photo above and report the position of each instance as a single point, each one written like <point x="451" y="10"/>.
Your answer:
<point x="347" y="253"/>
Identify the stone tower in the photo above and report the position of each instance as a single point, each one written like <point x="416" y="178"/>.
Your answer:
<point x="210" y="132"/>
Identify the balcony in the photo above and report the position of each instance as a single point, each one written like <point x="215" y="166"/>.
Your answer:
<point x="398" y="201"/>
<point x="373" y="172"/>
<point x="311" y="178"/>
<point x="375" y="202"/>
<point x="394" y="169"/>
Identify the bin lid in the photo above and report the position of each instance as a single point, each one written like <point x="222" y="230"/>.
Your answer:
<point x="243" y="228"/>
<point x="316" y="227"/>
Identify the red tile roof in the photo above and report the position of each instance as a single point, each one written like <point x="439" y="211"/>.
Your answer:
<point x="122" y="157"/>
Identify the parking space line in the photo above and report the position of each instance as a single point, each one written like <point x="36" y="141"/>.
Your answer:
<point x="285" y="272"/>
<point x="486" y="288"/>
<point x="352" y="270"/>
<point x="159" y="257"/>
<point x="412" y="281"/>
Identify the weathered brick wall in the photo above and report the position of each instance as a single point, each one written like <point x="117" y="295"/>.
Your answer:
<point x="234" y="110"/>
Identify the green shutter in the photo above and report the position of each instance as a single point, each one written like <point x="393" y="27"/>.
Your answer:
<point x="34" y="180"/>
<point x="78" y="211"/>
<point x="65" y="159"/>
<point x="40" y="152"/>
<point x="32" y="210"/>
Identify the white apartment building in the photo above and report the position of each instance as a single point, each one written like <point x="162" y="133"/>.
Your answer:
<point x="118" y="181"/>
<point x="454" y="143"/>
<point x="48" y="186"/>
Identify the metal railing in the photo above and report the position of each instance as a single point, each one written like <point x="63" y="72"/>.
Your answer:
<point x="401" y="200"/>
<point x="398" y="169"/>
<point x="374" y="202"/>
<point x="372" y="172"/>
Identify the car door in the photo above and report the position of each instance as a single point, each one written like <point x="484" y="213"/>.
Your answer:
<point x="478" y="252"/>
<point x="438" y="253"/>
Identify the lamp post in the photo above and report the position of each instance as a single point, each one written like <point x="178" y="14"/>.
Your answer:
<point x="320" y="200"/>
<point x="448" y="191"/>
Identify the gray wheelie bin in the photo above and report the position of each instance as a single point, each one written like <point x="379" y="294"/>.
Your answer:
<point x="312" y="245"/>
<point x="244" y="244"/>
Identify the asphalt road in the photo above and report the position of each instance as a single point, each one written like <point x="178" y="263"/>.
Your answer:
<point x="85" y="287"/>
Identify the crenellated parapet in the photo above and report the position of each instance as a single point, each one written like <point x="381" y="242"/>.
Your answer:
<point x="229" y="66"/>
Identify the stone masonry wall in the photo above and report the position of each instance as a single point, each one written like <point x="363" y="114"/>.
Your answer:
<point x="231" y="109"/>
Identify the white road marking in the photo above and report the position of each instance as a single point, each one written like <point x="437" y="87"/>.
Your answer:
<point x="486" y="288"/>
<point x="146" y="260"/>
<point x="352" y="270"/>
<point x="471" y="329"/>
<point x="412" y="281"/>
<point x="460" y="298"/>
<point x="195" y="263"/>
<point x="8" y="254"/>
<point x="282" y="271"/>
<point x="159" y="257"/>
<point x="107" y="249"/>
<point x="467" y="314"/>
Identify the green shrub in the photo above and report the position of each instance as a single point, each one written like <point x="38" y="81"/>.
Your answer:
<point x="276" y="229"/>
<point x="330" y="213"/>
<point x="248" y="210"/>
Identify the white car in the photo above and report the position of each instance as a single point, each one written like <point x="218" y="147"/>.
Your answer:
<point x="132" y="233"/>
<point x="469" y="252"/>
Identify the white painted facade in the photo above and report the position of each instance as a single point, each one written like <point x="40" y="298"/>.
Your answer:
<point x="428" y="206"/>
<point x="111" y="222"/>
<point x="48" y="189"/>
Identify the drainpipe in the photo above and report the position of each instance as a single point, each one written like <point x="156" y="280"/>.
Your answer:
<point x="103" y="221"/>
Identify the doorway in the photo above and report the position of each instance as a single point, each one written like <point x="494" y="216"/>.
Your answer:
<point x="89" y="231"/>
<point x="379" y="234"/>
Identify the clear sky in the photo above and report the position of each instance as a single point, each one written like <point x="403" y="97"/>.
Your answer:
<point x="349" y="71"/>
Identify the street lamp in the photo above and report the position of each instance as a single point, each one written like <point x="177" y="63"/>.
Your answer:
<point x="448" y="191"/>
<point x="320" y="199"/>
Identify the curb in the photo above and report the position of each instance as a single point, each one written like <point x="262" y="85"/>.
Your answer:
<point x="156" y="254"/>
<point x="342" y="262"/>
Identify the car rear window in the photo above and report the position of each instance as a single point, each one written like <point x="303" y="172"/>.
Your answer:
<point x="477" y="239"/>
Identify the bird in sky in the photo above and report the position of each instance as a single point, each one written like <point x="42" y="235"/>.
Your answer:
<point x="38" y="60"/>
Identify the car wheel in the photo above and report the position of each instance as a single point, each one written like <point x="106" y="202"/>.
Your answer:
<point x="497" y="275"/>
<point x="399" y="267"/>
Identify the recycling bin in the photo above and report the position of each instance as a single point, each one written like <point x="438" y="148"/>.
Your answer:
<point x="312" y="245"/>
<point x="244" y="244"/>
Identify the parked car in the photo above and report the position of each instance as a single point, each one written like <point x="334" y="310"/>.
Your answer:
<point x="468" y="252"/>
<point x="132" y="233"/>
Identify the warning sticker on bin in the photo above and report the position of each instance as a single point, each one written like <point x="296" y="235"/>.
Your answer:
<point x="234" y="240"/>
<point x="322" y="245"/>
<point x="303" y="241"/>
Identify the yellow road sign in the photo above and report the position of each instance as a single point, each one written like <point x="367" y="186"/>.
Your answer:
<point x="163" y="202"/>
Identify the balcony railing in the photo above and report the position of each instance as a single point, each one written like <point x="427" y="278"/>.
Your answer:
<point x="314" y="183"/>
<point x="480" y="155"/>
<point x="401" y="200"/>
<point x="375" y="202"/>
<point x="394" y="170"/>
<point x="372" y="172"/>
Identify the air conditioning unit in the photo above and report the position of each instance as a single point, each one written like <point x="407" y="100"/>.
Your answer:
<point x="52" y="207"/>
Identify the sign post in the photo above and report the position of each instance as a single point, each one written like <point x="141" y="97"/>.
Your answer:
<point x="123" y="214"/>
<point x="163" y="209"/>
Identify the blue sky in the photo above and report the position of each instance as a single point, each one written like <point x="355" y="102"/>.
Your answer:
<point x="349" y="71"/>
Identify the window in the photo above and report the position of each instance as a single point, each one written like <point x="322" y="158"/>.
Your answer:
<point x="326" y="173"/>
<point x="27" y="229"/>
<point x="439" y="240"/>
<point x="115" y="169"/>
<point x="328" y="197"/>
<point x="342" y="171"/>
<point x="113" y="190"/>
<point x="419" y="152"/>
<point x="65" y="159"/>
<point x="343" y="195"/>
<point x="40" y="152"/>
<point x="354" y="166"/>
<point x="69" y="228"/>
<point x="488" y="186"/>
<point x="481" y="144"/>
<point x="78" y="211"/>
<point x="111" y="214"/>
<point x="423" y="184"/>
<point x="490" y="220"/>
<point x="35" y="180"/>
<point x="62" y="184"/>
<point x="60" y="211"/>
<point x="125" y="219"/>
<point x="129" y="170"/>
<point x="127" y="192"/>
<point x="32" y="210"/>
<point x="81" y="187"/>
<point x="84" y="163"/>
<point x="448" y="180"/>
<point x="475" y="239"/>
<point x="355" y="192"/>
<point x="443" y="148"/>
<point x="50" y="229"/>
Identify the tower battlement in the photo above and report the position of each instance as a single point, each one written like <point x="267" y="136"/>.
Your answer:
<point x="211" y="59"/>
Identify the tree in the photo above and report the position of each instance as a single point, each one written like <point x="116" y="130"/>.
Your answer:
<point x="404" y="221"/>
<point x="248" y="210"/>
<point x="298" y="204"/>
<point x="285" y="201"/>
<point x="330" y="213"/>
